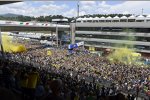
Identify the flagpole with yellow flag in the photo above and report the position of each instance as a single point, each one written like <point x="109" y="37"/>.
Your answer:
<point x="2" y="51"/>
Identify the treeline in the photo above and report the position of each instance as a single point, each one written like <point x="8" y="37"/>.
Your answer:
<point x="50" y="17"/>
<point x="31" y="18"/>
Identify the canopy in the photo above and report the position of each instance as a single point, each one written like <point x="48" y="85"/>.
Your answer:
<point x="148" y="17"/>
<point x="109" y="18"/>
<point x="132" y="17"/>
<point x="123" y="17"/>
<point x="96" y="18"/>
<point x="102" y="18"/>
<point x="116" y="18"/>
<point x="140" y="17"/>
<point x="79" y="19"/>
<point x="90" y="18"/>
<point x="84" y="18"/>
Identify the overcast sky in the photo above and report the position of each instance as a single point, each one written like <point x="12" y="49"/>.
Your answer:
<point x="69" y="8"/>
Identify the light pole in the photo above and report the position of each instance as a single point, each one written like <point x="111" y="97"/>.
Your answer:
<point x="142" y="11"/>
<point x="78" y="9"/>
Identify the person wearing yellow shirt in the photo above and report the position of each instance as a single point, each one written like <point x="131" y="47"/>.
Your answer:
<point x="23" y="83"/>
<point x="33" y="80"/>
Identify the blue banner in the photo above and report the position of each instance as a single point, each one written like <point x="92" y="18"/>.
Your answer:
<point x="71" y="46"/>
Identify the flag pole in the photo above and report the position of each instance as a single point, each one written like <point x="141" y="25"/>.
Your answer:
<point x="2" y="50"/>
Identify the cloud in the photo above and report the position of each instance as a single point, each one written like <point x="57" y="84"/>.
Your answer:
<point x="87" y="2"/>
<point x="132" y="7"/>
<point x="71" y="13"/>
<point x="39" y="8"/>
<point x="34" y="8"/>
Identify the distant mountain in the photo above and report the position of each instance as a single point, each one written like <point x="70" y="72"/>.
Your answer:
<point x="9" y="15"/>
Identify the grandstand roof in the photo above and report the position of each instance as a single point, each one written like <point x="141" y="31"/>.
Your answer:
<point x="64" y="19"/>
<point x="8" y="2"/>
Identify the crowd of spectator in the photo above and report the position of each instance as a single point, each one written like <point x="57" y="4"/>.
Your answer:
<point x="80" y="76"/>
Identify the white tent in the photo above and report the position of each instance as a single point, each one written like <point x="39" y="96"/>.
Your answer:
<point x="96" y="18"/>
<point x="123" y="17"/>
<point x="140" y="17"/>
<point x="102" y="18"/>
<point x="131" y="17"/>
<point x="79" y="19"/>
<point x="116" y="18"/>
<point x="85" y="19"/>
<point x="90" y="18"/>
<point x="147" y="18"/>
<point x="108" y="18"/>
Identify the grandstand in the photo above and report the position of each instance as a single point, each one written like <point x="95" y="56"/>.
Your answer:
<point x="109" y="32"/>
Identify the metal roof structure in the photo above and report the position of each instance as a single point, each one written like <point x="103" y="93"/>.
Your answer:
<point x="59" y="20"/>
<point x="8" y="2"/>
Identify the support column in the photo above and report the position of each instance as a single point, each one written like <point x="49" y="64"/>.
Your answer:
<point x="52" y="37"/>
<point x="72" y="26"/>
<point x="57" y="35"/>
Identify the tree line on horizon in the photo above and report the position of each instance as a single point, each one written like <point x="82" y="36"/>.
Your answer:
<point x="50" y="17"/>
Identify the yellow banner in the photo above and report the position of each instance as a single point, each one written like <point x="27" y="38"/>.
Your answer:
<point x="92" y="48"/>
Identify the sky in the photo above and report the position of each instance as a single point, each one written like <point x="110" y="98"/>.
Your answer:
<point x="69" y="8"/>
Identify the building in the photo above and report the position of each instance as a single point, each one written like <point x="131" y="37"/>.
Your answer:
<point x="103" y="33"/>
<point x="63" y="21"/>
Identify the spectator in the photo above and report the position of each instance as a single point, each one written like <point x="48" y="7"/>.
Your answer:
<point x="33" y="79"/>
<point x="6" y="94"/>
<point x="55" y="86"/>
